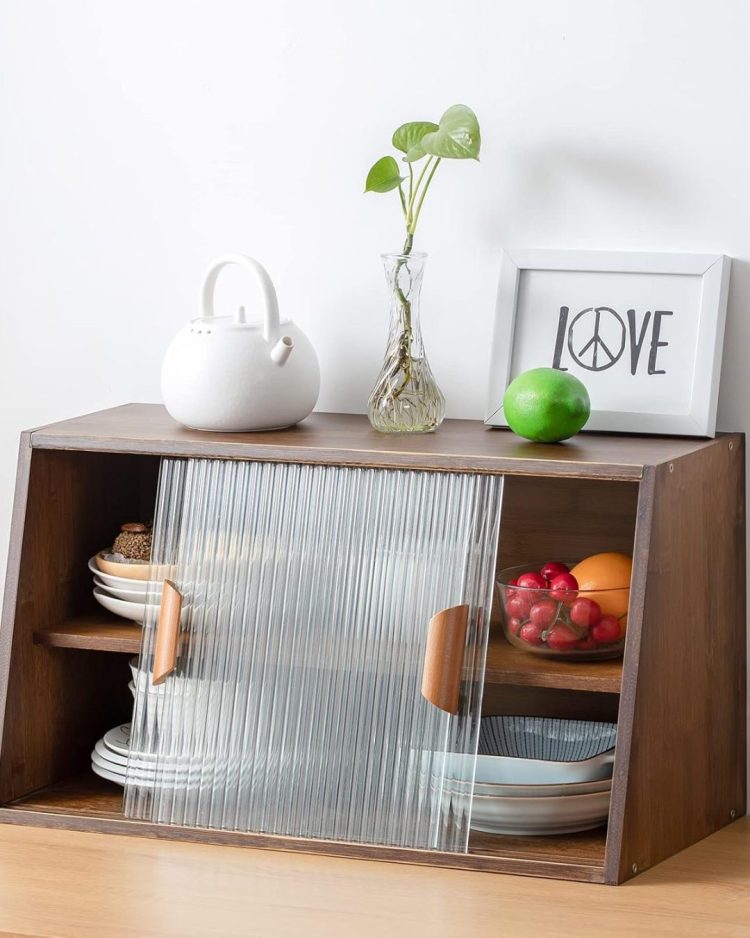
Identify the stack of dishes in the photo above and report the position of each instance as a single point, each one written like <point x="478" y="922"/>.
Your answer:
<point x="536" y="776"/>
<point x="110" y="755"/>
<point x="127" y="592"/>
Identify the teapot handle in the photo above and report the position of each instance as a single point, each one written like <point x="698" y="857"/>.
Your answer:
<point x="271" y="327"/>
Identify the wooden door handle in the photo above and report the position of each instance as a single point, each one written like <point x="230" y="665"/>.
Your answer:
<point x="167" y="633"/>
<point x="444" y="657"/>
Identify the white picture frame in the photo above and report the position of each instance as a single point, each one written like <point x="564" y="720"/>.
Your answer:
<point x="675" y="387"/>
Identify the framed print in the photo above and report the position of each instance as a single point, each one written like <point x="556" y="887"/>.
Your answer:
<point x="644" y="332"/>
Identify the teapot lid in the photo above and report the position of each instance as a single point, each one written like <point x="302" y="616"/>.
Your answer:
<point x="218" y="323"/>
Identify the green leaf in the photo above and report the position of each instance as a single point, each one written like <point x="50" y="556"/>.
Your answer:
<point x="409" y="135"/>
<point x="383" y="176"/>
<point x="457" y="137"/>
<point x="415" y="153"/>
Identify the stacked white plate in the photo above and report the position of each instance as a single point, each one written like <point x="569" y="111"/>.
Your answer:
<point x="109" y="759"/>
<point x="534" y="776"/>
<point x="124" y="596"/>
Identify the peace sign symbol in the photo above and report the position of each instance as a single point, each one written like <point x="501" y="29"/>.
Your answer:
<point x="599" y="331"/>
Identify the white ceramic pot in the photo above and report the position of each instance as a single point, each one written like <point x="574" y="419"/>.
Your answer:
<point x="224" y="373"/>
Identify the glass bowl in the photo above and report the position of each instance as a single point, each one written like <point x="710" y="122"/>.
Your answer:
<point x="581" y="625"/>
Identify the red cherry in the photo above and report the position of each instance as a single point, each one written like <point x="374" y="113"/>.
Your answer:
<point x="550" y="570"/>
<point x="519" y="604"/>
<point x="514" y="625"/>
<point x="512" y="582"/>
<point x="544" y="612"/>
<point x="585" y="612"/>
<point x="564" y="588"/>
<point x="531" y="633"/>
<point x="531" y="581"/>
<point x="562" y="638"/>
<point x="586" y="644"/>
<point x="606" y="630"/>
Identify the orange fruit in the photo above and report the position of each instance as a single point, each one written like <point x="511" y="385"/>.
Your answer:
<point x="605" y="578"/>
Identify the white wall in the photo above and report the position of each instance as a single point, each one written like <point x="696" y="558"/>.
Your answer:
<point x="140" y="139"/>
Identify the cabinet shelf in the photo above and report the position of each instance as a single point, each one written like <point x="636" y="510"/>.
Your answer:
<point x="87" y="802"/>
<point x="509" y="665"/>
<point x="86" y="793"/>
<point x="97" y="631"/>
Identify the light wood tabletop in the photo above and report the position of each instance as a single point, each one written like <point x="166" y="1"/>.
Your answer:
<point x="63" y="883"/>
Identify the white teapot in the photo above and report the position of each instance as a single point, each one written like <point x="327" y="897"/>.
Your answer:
<point x="224" y="373"/>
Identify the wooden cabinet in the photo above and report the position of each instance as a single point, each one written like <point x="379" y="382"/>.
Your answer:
<point x="678" y="695"/>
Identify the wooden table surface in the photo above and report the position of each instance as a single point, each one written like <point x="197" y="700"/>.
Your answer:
<point x="64" y="883"/>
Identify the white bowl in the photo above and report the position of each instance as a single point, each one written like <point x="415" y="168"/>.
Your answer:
<point x="143" y="678"/>
<point x="522" y="750"/>
<point x="547" y="738"/>
<point x="539" y="816"/>
<point x="154" y="690"/>
<point x="130" y="569"/>
<point x="506" y="770"/>
<point x="119" y="582"/>
<point x="542" y="791"/>
<point x="527" y="817"/>
<point x="136" y="612"/>
<point x="128" y="595"/>
<point x="454" y="770"/>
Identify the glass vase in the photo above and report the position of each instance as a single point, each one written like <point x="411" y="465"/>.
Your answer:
<point x="406" y="398"/>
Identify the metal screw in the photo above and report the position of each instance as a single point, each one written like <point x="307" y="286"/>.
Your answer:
<point x="732" y="814"/>
<point x="634" y="867"/>
<point x="671" y="467"/>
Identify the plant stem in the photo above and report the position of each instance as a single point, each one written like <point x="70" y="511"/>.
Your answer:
<point x="425" y="168"/>
<point x="411" y="195"/>
<point x="404" y="364"/>
<point x="404" y="340"/>
<point x="415" y="217"/>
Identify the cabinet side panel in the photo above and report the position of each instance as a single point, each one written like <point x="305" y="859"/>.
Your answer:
<point x="14" y="565"/>
<point x="686" y="771"/>
<point x="59" y="701"/>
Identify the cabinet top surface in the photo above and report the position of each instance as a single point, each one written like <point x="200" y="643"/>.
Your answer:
<point x="348" y="439"/>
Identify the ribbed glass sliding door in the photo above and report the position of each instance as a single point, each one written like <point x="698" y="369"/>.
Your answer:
<point x="296" y="707"/>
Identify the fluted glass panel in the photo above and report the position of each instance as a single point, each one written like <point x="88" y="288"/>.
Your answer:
<point x="296" y="706"/>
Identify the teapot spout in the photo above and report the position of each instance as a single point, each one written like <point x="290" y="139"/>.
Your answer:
<point x="282" y="350"/>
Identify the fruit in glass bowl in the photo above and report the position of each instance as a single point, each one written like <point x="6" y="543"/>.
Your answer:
<point x="561" y="610"/>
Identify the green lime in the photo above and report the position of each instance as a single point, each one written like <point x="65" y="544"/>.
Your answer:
<point x="546" y="405"/>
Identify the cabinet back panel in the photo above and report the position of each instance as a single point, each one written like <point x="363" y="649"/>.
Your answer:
<point x="563" y="519"/>
<point x="59" y="702"/>
<point x="559" y="519"/>
<point x="512" y="700"/>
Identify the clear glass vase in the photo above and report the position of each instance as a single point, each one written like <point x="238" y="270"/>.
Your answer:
<point x="406" y="398"/>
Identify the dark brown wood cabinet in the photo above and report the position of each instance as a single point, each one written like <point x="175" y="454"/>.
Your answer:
<point x="678" y="695"/>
